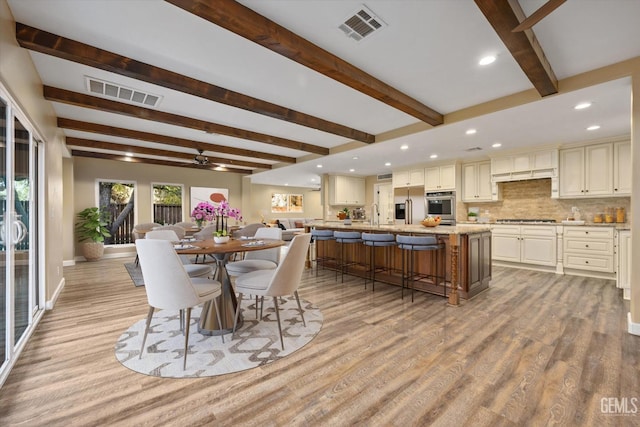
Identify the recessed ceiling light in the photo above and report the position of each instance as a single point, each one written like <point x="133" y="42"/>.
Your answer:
<point x="313" y="180"/>
<point x="286" y="184"/>
<point x="489" y="59"/>
<point x="352" y="170"/>
<point x="404" y="147"/>
<point x="582" y="105"/>
<point x="470" y="131"/>
<point x="129" y="154"/>
<point x="496" y="145"/>
<point x="433" y="156"/>
<point x="354" y="158"/>
<point x="318" y="166"/>
<point x="387" y="164"/>
<point x="594" y="127"/>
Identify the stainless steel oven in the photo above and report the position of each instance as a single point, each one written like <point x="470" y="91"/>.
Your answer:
<point x="442" y="204"/>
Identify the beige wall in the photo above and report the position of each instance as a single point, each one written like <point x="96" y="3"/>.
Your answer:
<point x="19" y="76"/>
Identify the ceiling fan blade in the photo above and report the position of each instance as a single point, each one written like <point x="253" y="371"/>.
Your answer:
<point x="536" y="16"/>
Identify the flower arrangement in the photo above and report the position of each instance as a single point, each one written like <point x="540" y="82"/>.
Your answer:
<point x="222" y="212"/>
<point x="204" y="211"/>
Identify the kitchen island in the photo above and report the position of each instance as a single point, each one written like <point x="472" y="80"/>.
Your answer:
<point x="466" y="253"/>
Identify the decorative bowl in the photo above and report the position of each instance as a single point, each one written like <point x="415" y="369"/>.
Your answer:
<point x="431" y="222"/>
<point x="221" y="239"/>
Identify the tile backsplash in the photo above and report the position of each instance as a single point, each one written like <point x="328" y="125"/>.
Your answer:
<point x="532" y="199"/>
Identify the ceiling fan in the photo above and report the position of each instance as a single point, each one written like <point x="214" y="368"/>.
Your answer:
<point x="201" y="159"/>
<point x="537" y="16"/>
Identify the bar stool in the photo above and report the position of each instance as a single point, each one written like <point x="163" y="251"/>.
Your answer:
<point x="412" y="244"/>
<point x="346" y="238"/>
<point x="373" y="241"/>
<point x="321" y="236"/>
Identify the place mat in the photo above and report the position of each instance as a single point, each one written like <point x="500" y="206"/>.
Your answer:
<point x="255" y="344"/>
<point x="135" y="273"/>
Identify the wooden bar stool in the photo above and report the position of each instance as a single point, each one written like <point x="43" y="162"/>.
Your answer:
<point x="410" y="245"/>
<point x="373" y="241"/>
<point x="346" y="238"/>
<point x="322" y="236"/>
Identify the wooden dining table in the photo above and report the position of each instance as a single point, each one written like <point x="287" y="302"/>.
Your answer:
<point x="208" y="324"/>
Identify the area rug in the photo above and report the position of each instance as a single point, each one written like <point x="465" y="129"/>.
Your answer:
<point x="255" y="344"/>
<point x="135" y="273"/>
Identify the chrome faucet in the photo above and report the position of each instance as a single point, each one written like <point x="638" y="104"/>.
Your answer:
<point x="375" y="214"/>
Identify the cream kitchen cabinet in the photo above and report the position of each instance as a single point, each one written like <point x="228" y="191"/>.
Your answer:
<point x="588" y="248"/>
<point x="530" y="165"/>
<point x="408" y="178"/>
<point x="622" y="168"/>
<point x="525" y="244"/>
<point x="476" y="182"/>
<point x="346" y="190"/>
<point x="623" y="252"/>
<point x="586" y="171"/>
<point x="440" y="178"/>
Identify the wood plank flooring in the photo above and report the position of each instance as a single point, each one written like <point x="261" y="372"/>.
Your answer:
<point x="535" y="349"/>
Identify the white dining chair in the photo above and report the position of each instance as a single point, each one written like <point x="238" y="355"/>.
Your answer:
<point x="194" y="270"/>
<point x="169" y="287"/>
<point x="282" y="281"/>
<point x="266" y="259"/>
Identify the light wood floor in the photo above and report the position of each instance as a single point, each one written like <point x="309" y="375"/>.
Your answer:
<point x="535" y="349"/>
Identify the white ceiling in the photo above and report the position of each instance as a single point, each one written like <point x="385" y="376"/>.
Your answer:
<point x="429" y="50"/>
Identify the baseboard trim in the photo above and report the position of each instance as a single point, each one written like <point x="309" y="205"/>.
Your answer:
<point x="69" y="263"/>
<point x="634" y="328"/>
<point x="52" y="302"/>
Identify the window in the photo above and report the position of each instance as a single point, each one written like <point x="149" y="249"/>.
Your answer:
<point x="167" y="203"/>
<point x="116" y="200"/>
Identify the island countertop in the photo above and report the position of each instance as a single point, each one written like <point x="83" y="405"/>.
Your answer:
<point x="403" y="228"/>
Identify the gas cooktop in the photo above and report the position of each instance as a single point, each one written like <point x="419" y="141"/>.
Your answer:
<point x="534" y="221"/>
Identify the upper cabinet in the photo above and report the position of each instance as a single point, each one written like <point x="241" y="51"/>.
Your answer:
<point x="440" y="178"/>
<point x="531" y="165"/>
<point x="346" y="190"/>
<point x="596" y="170"/>
<point x="476" y="182"/>
<point x="408" y="178"/>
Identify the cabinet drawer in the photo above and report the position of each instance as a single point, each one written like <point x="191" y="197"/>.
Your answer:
<point x="603" y="264"/>
<point x="590" y="232"/>
<point x="538" y="230"/>
<point x="506" y="229"/>
<point x="594" y="246"/>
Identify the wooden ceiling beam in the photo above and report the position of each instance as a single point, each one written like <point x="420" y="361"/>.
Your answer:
<point x="90" y="143"/>
<point x="122" y="158"/>
<point x="167" y="140"/>
<point x="246" y="23"/>
<point x="524" y="47"/>
<point x="102" y="104"/>
<point x="71" y="50"/>
<point x="537" y="16"/>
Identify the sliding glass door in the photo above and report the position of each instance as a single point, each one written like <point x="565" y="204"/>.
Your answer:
<point x="20" y="291"/>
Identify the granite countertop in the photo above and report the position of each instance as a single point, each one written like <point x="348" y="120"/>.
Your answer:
<point x="402" y="228"/>
<point x="616" y="225"/>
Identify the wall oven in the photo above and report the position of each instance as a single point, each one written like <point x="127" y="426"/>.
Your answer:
<point x="442" y="204"/>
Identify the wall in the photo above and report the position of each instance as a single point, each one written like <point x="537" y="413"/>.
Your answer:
<point x="257" y="203"/>
<point x="18" y="75"/>
<point x="532" y="199"/>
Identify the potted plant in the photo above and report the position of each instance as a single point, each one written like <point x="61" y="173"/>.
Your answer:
<point x="344" y="214"/>
<point x="472" y="216"/>
<point x="91" y="229"/>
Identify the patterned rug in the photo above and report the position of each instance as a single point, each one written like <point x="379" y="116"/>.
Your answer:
<point x="135" y="273"/>
<point x="255" y="344"/>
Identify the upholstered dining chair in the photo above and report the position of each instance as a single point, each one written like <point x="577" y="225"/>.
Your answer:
<point x="180" y="231"/>
<point x="248" y="230"/>
<point x="169" y="287"/>
<point x="139" y="230"/>
<point x="267" y="259"/>
<point x="282" y="281"/>
<point x="194" y="270"/>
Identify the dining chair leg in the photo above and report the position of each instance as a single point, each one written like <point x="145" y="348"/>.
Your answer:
<point x="186" y="338"/>
<point x="146" y="329"/>
<point x="235" y="318"/>
<point x="300" y="308"/>
<point x="275" y="302"/>
<point x="215" y="303"/>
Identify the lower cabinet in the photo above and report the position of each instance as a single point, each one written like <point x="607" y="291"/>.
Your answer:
<point x="527" y="244"/>
<point x="623" y="278"/>
<point x="589" y="249"/>
<point x="479" y="252"/>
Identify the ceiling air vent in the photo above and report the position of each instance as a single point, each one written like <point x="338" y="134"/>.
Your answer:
<point x="473" y="149"/>
<point x="385" y="177"/>
<point x="361" y="23"/>
<point x="122" y="93"/>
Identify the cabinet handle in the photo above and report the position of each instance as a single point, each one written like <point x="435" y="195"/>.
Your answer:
<point x="586" y="246"/>
<point x="615" y="189"/>
<point x="586" y="262"/>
